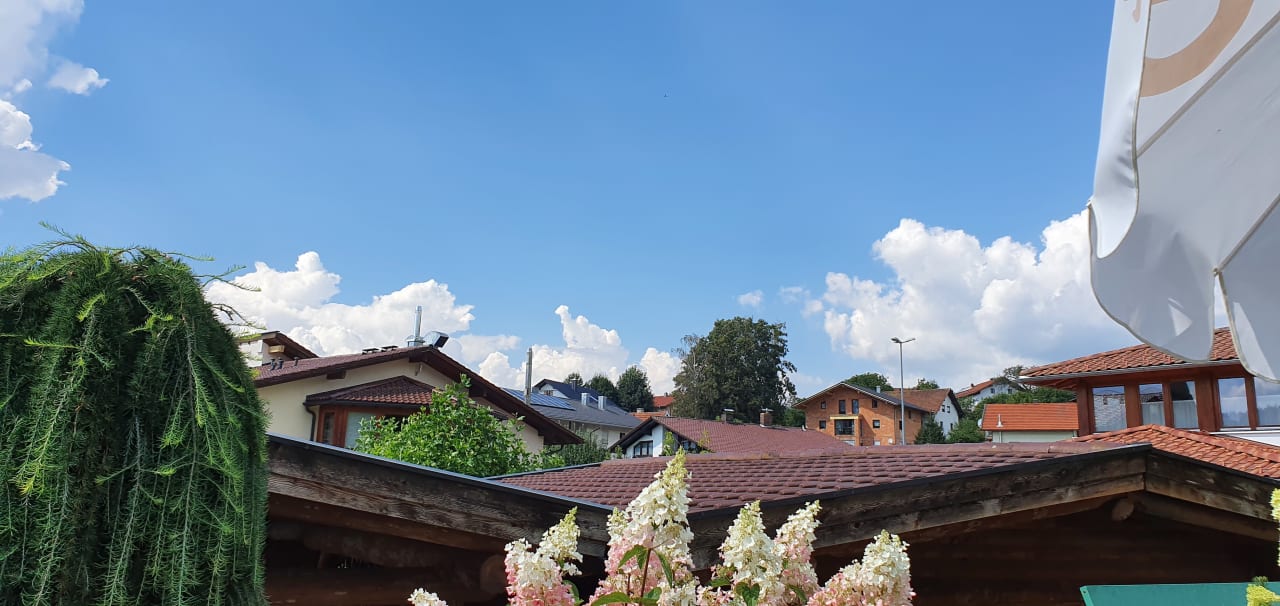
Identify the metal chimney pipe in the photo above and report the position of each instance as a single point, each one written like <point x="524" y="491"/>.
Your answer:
<point x="528" y="377"/>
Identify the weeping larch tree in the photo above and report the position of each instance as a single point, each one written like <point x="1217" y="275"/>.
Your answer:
<point x="132" y="441"/>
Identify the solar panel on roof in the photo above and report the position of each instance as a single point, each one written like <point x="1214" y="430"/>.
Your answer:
<point x="538" y="399"/>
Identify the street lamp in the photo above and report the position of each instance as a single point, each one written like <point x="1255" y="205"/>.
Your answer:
<point x="902" y="391"/>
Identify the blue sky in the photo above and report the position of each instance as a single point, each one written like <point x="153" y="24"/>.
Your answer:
<point x="643" y="164"/>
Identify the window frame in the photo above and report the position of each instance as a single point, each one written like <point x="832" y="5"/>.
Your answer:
<point x="875" y="423"/>
<point x="637" y="448"/>
<point x="340" y="414"/>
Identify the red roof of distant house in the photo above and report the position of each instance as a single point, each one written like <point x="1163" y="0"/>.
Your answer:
<point x="929" y="400"/>
<point x="644" y="416"/>
<point x="741" y="438"/>
<point x="1129" y="358"/>
<point x="719" y="480"/>
<point x="661" y="402"/>
<point x="1235" y="453"/>
<point x="1052" y="416"/>
<point x="395" y="390"/>
<point x="974" y="389"/>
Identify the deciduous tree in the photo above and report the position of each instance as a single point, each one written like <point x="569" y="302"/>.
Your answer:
<point x="870" y="380"/>
<point x="605" y="387"/>
<point x="741" y="364"/>
<point x="574" y="379"/>
<point x="453" y="433"/>
<point x="634" y="391"/>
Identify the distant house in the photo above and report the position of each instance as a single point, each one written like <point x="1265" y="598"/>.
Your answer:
<point x="585" y="416"/>
<point x="1141" y="385"/>
<point x="663" y="402"/>
<point x="986" y="389"/>
<point x="1048" y="422"/>
<point x="868" y="417"/>
<point x="564" y="390"/>
<point x="325" y="398"/>
<point x="698" y="435"/>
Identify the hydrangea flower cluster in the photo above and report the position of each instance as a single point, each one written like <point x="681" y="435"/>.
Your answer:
<point x="649" y="543"/>
<point x="649" y="560"/>
<point x="882" y="578"/>
<point x="536" y="578"/>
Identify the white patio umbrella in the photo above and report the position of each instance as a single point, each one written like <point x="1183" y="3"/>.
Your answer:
<point x="1188" y="176"/>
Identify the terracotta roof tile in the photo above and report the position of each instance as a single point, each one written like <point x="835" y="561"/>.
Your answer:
<point x="316" y="366"/>
<point x="974" y="389"/>
<point x="742" y="438"/>
<point x="1137" y="356"/>
<point x="395" y="390"/>
<point x="661" y="402"/>
<point x="1054" y="416"/>
<point x="718" y="480"/>
<point x="928" y="400"/>
<point x="1235" y="453"/>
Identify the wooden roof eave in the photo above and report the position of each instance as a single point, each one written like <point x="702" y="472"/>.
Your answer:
<point x="374" y="494"/>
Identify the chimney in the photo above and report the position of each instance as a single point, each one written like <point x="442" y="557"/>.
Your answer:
<point x="877" y="389"/>
<point x="601" y="402"/>
<point x="639" y="410"/>
<point x="999" y="420"/>
<point x="586" y="399"/>
<point x="766" y="419"/>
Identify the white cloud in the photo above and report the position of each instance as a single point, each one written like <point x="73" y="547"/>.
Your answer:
<point x="75" y="78"/>
<point x="751" y="299"/>
<point x="299" y="302"/>
<point x="26" y="26"/>
<point x="798" y="295"/>
<point x="973" y="309"/>
<point x="24" y="171"/>
<point x="588" y="350"/>
<point x="807" y="385"/>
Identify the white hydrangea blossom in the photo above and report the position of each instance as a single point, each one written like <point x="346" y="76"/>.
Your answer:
<point x="793" y="545"/>
<point x="750" y="560"/>
<point x="420" y="597"/>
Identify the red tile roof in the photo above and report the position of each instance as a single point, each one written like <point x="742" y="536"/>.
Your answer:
<point x="311" y="367"/>
<point x="661" y="402"/>
<point x="396" y="390"/>
<point x="974" y="389"/>
<point x="719" y="480"/>
<point x="1055" y="416"/>
<point x="644" y="416"/>
<point x="1137" y="356"/>
<point x="1235" y="453"/>
<point x="742" y="438"/>
<point x="924" y="402"/>
<point x="928" y="400"/>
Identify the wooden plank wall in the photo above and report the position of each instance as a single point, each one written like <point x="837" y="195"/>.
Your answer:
<point x="1045" y="562"/>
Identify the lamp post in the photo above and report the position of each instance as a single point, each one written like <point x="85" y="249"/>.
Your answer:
<point x="902" y="391"/>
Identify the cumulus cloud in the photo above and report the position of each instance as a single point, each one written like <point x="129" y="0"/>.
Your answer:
<point x="24" y="171"/>
<point x="751" y="299"/>
<point x="75" y="78"/>
<point x="798" y="295"/>
<point x="26" y="27"/>
<point x="299" y="302"/>
<point x="588" y="349"/>
<point x="973" y="309"/>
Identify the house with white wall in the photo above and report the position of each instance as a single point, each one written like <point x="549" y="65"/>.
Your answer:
<point x="596" y="418"/>
<point x="1039" y="422"/>
<point x="324" y="399"/>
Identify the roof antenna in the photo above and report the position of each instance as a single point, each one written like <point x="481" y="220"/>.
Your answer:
<point x="415" y="339"/>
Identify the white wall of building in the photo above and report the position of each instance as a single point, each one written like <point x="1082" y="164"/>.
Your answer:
<point x="289" y="417"/>
<point x="655" y="435"/>
<point x="1030" y="436"/>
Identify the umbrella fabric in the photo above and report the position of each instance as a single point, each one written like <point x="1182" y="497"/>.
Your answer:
<point x="1188" y="175"/>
